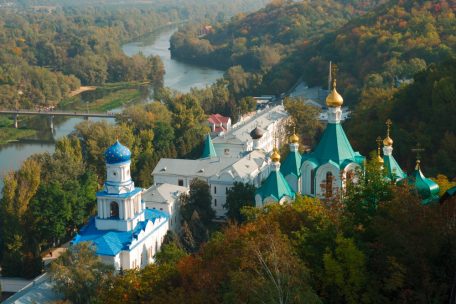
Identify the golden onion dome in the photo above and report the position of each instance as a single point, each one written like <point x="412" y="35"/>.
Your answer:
<point x="380" y="159"/>
<point x="388" y="141"/>
<point x="294" y="138"/>
<point x="334" y="99"/>
<point x="275" y="156"/>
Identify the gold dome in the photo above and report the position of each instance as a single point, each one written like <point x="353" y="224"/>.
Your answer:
<point x="294" y="138"/>
<point x="388" y="141"/>
<point x="275" y="156"/>
<point x="380" y="159"/>
<point x="334" y="99"/>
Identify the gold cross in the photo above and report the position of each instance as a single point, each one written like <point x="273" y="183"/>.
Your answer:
<point x="418" y="149"/>
<point x="388" y="123"/>
<point x="334" y="69"/>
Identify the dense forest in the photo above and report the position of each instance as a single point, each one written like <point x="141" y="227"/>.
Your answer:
<point x="378" y="43"/>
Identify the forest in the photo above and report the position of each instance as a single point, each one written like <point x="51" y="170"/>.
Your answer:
<point x="45" y="55"/>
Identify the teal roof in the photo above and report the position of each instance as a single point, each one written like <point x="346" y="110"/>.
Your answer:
<point x="427" y="189"/>
<point x="334" y="146"/>
<point x="448" y="194"/>
<point x="393" y="170"/>
<point x="275" y="186"/>
<point x="209" y="150"/>
<point x="292" y="164"/>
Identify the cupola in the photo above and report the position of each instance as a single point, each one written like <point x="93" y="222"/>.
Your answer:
<point x="117" y="153"/>
<point x="334" y="99"/>
<point x="256" y="133"/>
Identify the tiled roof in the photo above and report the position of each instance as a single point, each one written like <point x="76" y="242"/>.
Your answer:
<point x="275" y="186"/>
<point x="393" y="170"/>
<point x="427" y="189"/>
<point x="117" y="153"/>
<point x="111" y="242"/>
<point x="292" y="164"/>
<point x="209" y="150"/>
<point x="334" y="147"/>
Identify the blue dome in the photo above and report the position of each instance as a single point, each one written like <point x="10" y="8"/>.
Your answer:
<point x="117" y="153"/>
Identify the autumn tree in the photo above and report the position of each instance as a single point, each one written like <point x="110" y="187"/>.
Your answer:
<point x="78" y="273"/>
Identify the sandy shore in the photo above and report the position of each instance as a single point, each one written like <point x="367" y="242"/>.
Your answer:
<point x="82" y="89"/>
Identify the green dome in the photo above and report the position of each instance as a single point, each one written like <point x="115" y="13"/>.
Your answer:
<point x="427" y="189"/>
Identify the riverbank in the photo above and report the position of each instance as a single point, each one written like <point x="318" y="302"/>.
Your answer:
<point x="10" y="134"/>
<point x="106" y="97"/>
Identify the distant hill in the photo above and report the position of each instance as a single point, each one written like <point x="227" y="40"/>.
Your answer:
<point x="260" y="40"/>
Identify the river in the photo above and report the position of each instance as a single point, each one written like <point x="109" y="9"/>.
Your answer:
<point x="179" y="76"/>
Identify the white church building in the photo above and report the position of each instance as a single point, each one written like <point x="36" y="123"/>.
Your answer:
<point x="124" y="232"/>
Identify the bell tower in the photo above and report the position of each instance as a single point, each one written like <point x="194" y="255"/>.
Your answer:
<point x="120" y="206"/>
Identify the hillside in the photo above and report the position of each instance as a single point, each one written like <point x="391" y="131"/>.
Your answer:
<point x="422" y="112"/>
<point x="260" y="40"/>
<point x="380" y="49"/>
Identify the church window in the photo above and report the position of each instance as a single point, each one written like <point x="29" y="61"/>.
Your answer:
<point x="114" y="210"/>
<point x="114" y="173"/>
<point x="215" y="202"/>
<point x="312" y="181"/>
<point x="329" y="188"/>
<point x="350" y="177"/>
<point x="215" y="190"/>
<point x="180" y="182"/>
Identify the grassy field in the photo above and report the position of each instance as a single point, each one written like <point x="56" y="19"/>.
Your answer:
<point x="106" y="97"/>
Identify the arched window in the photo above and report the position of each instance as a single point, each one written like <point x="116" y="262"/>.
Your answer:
<point x="329" y="184"/>
<point x="312" y="181"/>
<point x="114" y="214"/>
<point x="350" y="177"/>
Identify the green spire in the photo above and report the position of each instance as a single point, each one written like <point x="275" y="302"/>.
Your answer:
<point x="209" y="150"/>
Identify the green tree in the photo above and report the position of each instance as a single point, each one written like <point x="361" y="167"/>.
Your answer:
<point x="79" y="273"/>
<point x="239" y="196"/>
<point x="345" y="272"/>
<point x="305" y="119"/>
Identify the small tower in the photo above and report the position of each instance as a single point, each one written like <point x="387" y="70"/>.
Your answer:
<point x="275" y="188"/>
<point x="291" y="167"/>
<point x="394" y="172"/>
<point x="119" y="204"/>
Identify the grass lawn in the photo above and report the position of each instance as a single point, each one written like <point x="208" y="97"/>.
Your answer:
<point x="8" y="134"/>
<point x="106" y="97"/>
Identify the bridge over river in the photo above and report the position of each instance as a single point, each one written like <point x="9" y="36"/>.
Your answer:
<point x="52" y="114"/>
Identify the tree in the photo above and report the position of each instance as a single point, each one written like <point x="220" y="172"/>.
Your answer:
<point x="79" y="273"/>
<point x="199" y="199"/>
<point x="305" y="119"/>
<point x="345" y="272"/>
<point x="239" y="196"/>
